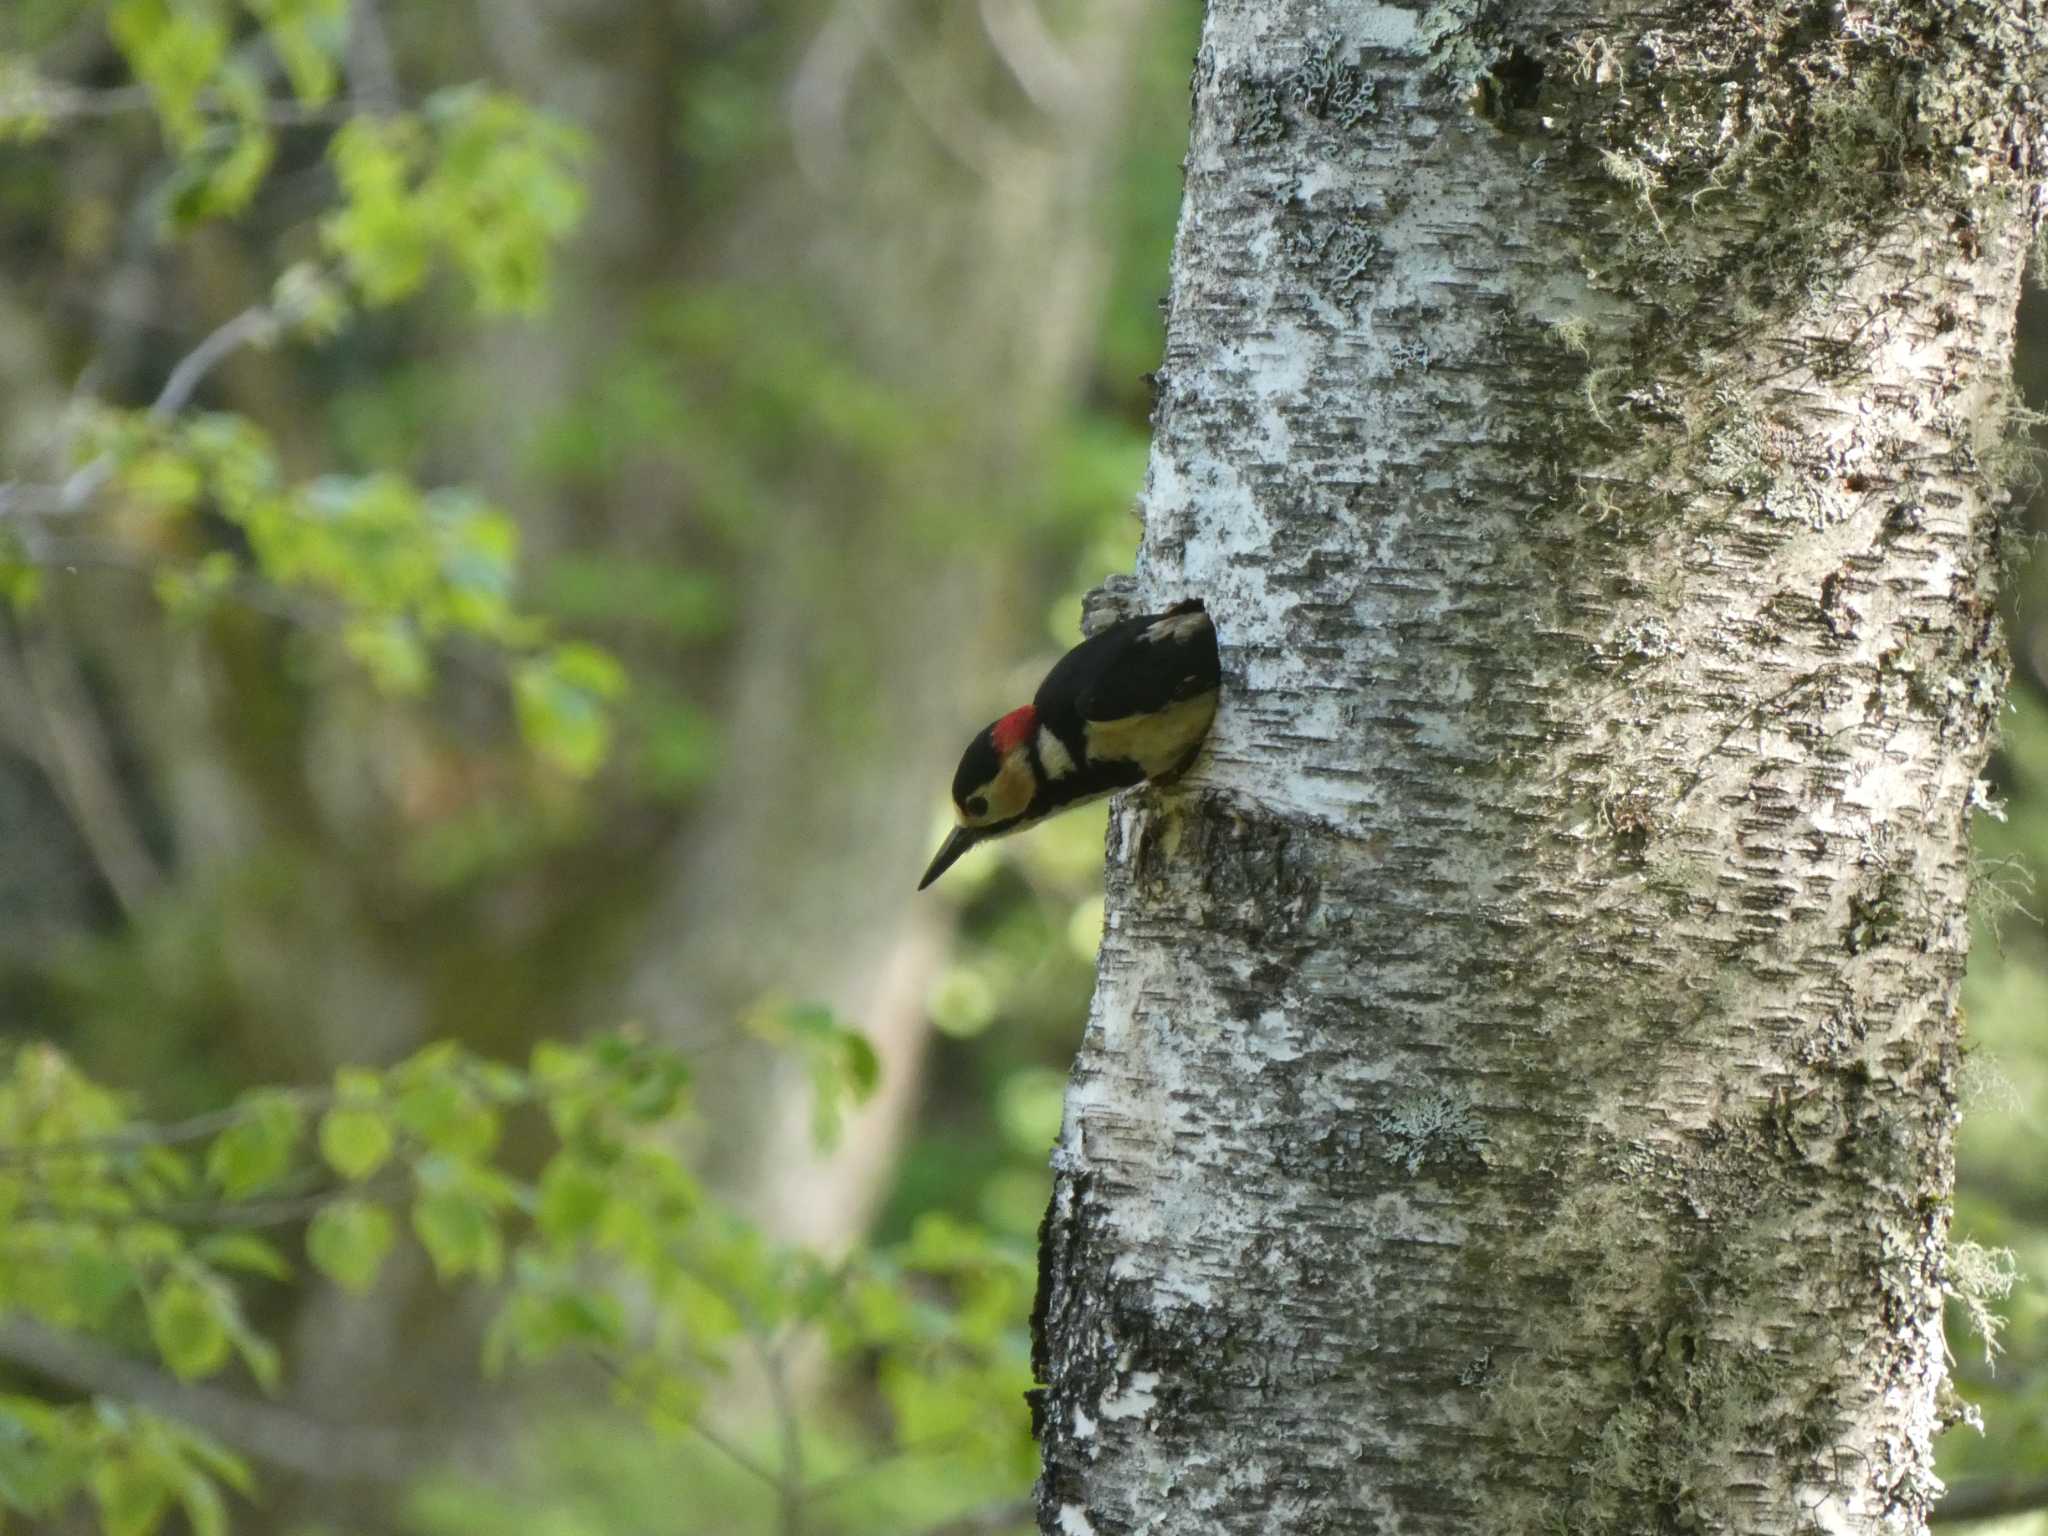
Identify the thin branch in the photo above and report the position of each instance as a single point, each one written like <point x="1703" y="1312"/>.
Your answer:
<point x="927" y="1445"/>
<point x="76" y="754"/>
<point x="52" y="101"/>
<point x="307" y="610"/>
<point x="257" y="325"/>
<point x="371" y="71"/>
<point x="790" y="1494"/>
<point x="971" y="139"/>
<point x="746" y="1461"/>
<point x="1033" y="56"/>
<point x="819" y="90"/>
<point x="1991" y="1499"/>
<point x="269" y="1432"/>
<point x="137" y="1138"/>
<point x="224" y="1215"/>
<point x="987" y="1521"/>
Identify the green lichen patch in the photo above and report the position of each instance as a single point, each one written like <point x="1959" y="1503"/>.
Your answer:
<point x="1432" y="1126"/>
<point x="1324" y="92"/>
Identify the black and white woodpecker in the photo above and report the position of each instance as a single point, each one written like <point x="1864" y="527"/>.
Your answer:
<point x="1130" y="704"/>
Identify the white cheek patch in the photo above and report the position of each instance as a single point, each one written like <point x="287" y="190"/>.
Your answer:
<point x="1052" y="752"/>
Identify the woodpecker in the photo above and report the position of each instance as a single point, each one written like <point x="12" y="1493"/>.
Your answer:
<point x="1130" y="704"/>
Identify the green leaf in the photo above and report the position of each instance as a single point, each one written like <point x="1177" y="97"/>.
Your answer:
<point x="842" y="1062"/>
<point x="390" y="650"/>
<point x="563" y="701"/>
<point x="262" y="1357"/>
<point x="460" y="1234"/>
<point x="213" y="1458"/>
<point x="243" y="1251"/>
<point x="132" y="1494"/>
<point x="45" y="1455"/>
<point x="308" y="302"/>
<point x="539" y="1322"/>
<point x="306" y="34"/>
<point x="573" y="1199"/>
<point x="479" y="180"/>
<point x="225" y="159"/>
<point x="21" y="585"/>
<point x="441" y="1110"/>
<point x="204" y="1510"/>
<point x="348" y="1240"/>
<point x="356" y="1139"/>
<point x="176" y="52"/>
<point x="187" y="1324"/>
<point x="863" y="1067"/>
<point x="385" y="241"/>
<point x="256" y="1151"/>
<point x="164" y="1169"/>
<point x="162" y="479"/>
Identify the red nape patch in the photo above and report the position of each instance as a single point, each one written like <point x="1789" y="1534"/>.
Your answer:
<point x="1014" y="729"/>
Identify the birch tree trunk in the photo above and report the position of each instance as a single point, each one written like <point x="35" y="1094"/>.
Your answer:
<point x="1519" y="1086"/>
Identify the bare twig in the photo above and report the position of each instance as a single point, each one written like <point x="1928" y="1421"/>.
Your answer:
<point x="986" y="1522"/>
<point x="971" y="139"/>
<point x="819" y="90"/>
<point x="1992" y="1499"/>
<point x="746" y="1461"/>
<point x="53" y="101"/>
<point x="268" y="1432"/>
<point x="139" y="1137"/>
<point x="371" y="73"/>
<point x="1033" y="56"/>
<point x="75" y="753"/>
<point x="307" y="610"/>
<point x="222" y="1215"/>
<point x="256" y="325"/>
<point x="929" y="1445"/>
<point x="789" y="1485"/>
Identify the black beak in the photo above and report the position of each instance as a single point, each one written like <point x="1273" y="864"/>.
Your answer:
<point x="963" y="838"/>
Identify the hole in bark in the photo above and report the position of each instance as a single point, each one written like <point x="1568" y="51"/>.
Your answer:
<point x="1512" y="84"/>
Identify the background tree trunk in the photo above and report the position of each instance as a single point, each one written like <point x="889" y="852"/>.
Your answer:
<point x="1519" y="1088"/>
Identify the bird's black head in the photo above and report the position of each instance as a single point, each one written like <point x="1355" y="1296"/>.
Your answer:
<point x="993" y="788"/>
<point x="979" y="766"/>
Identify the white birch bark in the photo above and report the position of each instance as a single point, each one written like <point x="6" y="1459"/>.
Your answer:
<point x="1519" y="1087"/>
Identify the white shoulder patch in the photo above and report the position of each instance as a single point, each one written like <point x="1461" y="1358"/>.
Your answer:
<point x="1052" y="752"/>
<point x="1178" y="626"/>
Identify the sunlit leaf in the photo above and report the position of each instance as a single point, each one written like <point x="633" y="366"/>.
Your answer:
<point x="188" y="1328"/>
<point x="347" y="1241"/>
<point x="356" y="1139"/>
<point x="460" y="1233"/>
<point x="563" y="699"/>
<point x="256" y="1150"/>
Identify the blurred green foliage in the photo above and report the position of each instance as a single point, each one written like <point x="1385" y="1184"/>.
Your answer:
<point x="153" y="1237"/>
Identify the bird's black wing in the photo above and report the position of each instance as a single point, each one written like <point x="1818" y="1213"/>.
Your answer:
<point x="1079" y="674"/>
<point x="1158" y="659"/>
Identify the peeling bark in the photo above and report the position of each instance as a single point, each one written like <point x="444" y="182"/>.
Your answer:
<point x="1519" y="1087"/>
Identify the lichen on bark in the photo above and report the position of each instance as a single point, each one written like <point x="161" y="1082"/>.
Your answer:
<point x="1519" y="1086"/>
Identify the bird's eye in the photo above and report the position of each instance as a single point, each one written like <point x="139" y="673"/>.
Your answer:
<point x="977" y="805"/>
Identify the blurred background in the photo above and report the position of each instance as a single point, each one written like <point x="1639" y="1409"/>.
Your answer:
<point x="804" y="345"/>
